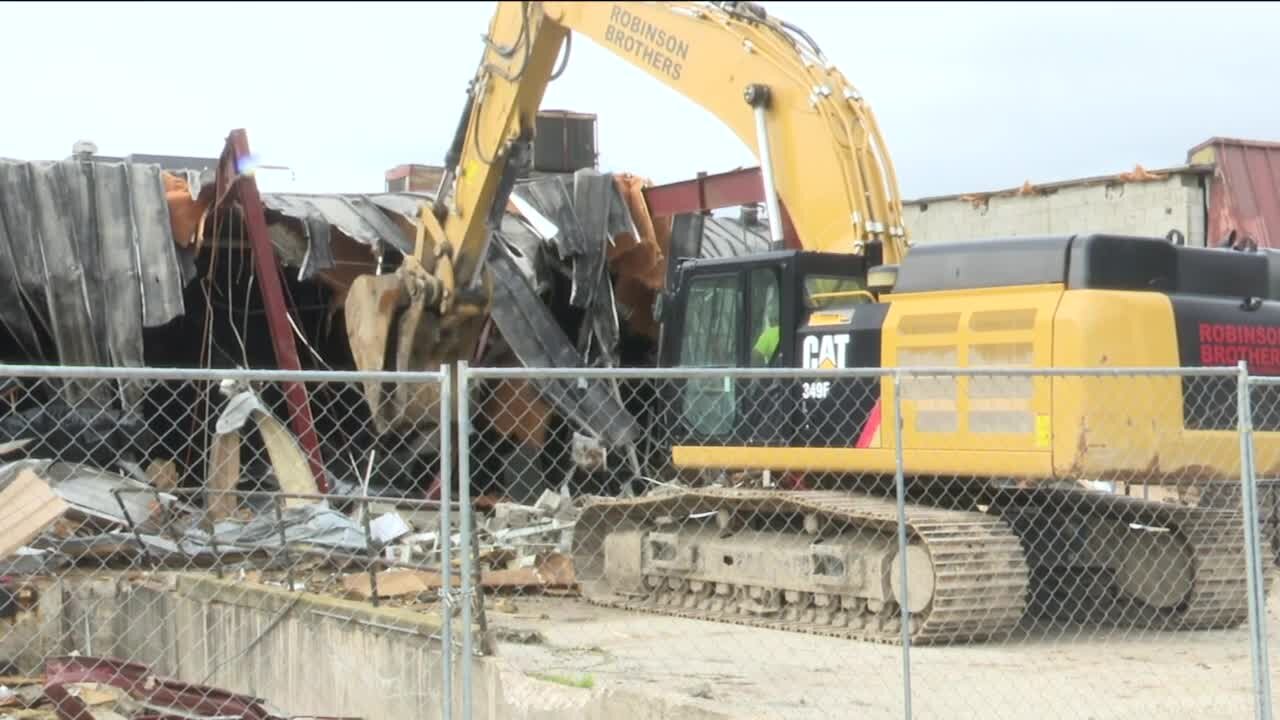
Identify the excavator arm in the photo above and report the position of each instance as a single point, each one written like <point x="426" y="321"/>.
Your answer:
<point x="766" y="80"/>
<point x="817" y="141"/>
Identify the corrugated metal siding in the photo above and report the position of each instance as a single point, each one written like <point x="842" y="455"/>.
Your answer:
<point x="367" y="219"/>
<point x="729" y="237"/>
<point x="1245" y="194"/>
<point x="88" y="257"/>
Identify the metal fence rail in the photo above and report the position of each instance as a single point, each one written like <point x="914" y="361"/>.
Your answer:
<point x="920" y="542"/>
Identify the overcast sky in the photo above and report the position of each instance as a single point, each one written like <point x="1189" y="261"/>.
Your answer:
<point x="968" y="96"/>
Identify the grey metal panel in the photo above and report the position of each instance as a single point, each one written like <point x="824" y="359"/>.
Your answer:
<point x="591" y="206"/>
<point x="70" y="248"/>
<point x="68" y="302"/>
<point x="551" y="197"/>
<point x="727" y="237"/>
<point x="525" y="250"/>
<point x="537" y="340"/>
<point x="13" y="315"/>
<point x="78" y="180"/>
<point x="403" y="203"/>
<point x="17" y="202"/>
<point x="121" y="278"/>
<point x="319" y="248"/>
<point x="158" y="260"/>
<point x="355" y="215"/>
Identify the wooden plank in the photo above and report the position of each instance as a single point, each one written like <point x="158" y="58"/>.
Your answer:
<point x="30" y="506"/>
<point x="287" y="460"/>
<point x="554" y="571"/>
<point x="224" y="475"/>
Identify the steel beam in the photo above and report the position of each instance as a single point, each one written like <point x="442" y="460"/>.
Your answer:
<point x="712" y="192"/>
<point x="232" y="179"/>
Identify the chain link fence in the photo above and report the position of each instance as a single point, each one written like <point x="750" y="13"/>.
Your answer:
<point x="224" y="544"/>
<point x="691" y="543"/>
<point x="1075" y="543"/>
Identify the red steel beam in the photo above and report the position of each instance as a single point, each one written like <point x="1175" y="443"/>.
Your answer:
<point x="230" y="179"/>
<point x="140" y="683"/>
<point x="712" y="192"/>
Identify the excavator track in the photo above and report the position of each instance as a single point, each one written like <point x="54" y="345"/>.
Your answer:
<point x="981" y="580"/>
<point x="1211" y="540"/>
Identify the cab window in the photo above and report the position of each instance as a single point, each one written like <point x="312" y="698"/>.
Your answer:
<point x="766" y="318"/>
<point x="713" y="315"/>
<point x="824" y="291"/>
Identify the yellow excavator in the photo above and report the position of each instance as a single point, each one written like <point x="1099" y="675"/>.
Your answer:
<point x="1002" y="518"/>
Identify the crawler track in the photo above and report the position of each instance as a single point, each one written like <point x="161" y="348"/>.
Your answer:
<point x="981" y="573"/>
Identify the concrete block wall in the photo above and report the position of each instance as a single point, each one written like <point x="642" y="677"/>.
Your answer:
<point x="1149" y="208"/>
<point x="304" y="653"/>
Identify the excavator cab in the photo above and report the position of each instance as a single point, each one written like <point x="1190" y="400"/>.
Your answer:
<point x="769" y="310"/>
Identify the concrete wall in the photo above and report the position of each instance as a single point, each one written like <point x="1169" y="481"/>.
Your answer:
<point x="1149" y="208"/>
<point x="302" y="653"/>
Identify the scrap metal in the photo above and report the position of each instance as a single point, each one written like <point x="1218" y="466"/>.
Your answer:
<point x="87" y="258"/>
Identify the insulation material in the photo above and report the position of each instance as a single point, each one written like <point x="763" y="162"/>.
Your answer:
<point x="638" y="257"/>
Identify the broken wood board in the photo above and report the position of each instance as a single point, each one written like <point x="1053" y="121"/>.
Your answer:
<point x="30" y="506"/>
<point x="553" y="571"/>
<point x="224" y="474"/>
<point x="290" y="465"/>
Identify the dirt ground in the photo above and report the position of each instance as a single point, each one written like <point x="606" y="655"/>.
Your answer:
<point x="747" y="673"/>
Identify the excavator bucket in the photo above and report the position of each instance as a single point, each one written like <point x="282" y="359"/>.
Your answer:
<point x="369" y="308"/>
<point x="413" y="320"/>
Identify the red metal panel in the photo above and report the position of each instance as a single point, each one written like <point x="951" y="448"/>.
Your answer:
<point x="1245" y="191"/>
<point x="706" y="192"/>
<point x="139" y="682"/>
<point x="712" y="192"/>
<point x="230" y="179"/>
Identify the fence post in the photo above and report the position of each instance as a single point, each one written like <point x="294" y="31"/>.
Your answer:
<point x="464" y="531"/>
<point x="1253" y="552"/>
<point x="902" y="542"/>
<point x="446" y="531"/>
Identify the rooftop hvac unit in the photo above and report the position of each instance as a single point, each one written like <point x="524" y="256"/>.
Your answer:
<point x="564" y="141"/>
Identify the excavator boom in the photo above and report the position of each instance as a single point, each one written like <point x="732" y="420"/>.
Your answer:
<point x="768" y="81"/>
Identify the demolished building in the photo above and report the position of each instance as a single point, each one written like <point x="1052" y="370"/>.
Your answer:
<point x="109" y="262"/>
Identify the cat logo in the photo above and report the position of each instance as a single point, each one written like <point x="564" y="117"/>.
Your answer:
<point x="827" y="352"/>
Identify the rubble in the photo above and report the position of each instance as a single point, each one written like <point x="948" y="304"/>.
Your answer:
<point x="103" y="688"/>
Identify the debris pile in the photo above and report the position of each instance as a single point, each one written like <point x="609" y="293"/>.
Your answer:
<point x="95" y="688"/>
